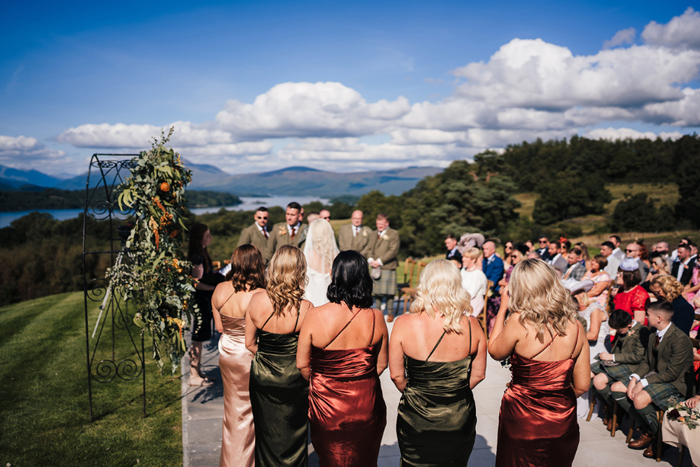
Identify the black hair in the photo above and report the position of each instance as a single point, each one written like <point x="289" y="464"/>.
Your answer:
<point x="619" y="319"/>
<point x="452" y="236"/>
<point x="660" y="306"/>
<point x="294" y="205"/>
<point x="261" y="209"/>
<point x="617" y="238"/>
<point x="608" y="244"/>
<point x="350" y="280"/>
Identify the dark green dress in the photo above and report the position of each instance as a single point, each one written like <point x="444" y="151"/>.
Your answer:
<point x="436" y="423"/>
<point x="280" y="399"/>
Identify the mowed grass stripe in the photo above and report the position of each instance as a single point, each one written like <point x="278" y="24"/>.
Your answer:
<point x="43" y="380"/>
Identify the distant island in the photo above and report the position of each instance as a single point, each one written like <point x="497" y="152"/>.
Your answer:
<point x="53" y="198"/>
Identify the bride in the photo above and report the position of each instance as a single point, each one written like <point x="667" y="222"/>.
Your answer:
<point x="320" y="250"/>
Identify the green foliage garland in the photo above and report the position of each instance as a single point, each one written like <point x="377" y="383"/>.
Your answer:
<point x="155" y="275"/>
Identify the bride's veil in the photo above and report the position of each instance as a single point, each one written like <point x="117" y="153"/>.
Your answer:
<point x="320" y="248"/>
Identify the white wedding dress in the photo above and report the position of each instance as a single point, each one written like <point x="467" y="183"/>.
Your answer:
<point x="320" y="250"/>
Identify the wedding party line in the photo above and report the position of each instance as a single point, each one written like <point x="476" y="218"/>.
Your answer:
<point x="304" y="338"/>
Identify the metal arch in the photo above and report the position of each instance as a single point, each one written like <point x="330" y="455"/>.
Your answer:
<point x="101" y="204"/>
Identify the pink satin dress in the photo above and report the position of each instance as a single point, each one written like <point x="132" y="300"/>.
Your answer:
<point x="238" y="441"/>
<point x="347" y="413"/>
<point x="537" y="425"/>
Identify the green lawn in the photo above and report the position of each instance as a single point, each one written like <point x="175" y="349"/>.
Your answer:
<point x="44" y="411"/>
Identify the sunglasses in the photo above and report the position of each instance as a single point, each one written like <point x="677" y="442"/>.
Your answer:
<point x="630" y="251"/>
<point x="261" y="218"/>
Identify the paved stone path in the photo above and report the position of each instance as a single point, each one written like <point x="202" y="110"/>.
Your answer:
<point x="202" y="412"/>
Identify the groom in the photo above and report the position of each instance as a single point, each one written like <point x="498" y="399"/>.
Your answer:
<point x="382" y="251"/>
<point x="291" y="232"/>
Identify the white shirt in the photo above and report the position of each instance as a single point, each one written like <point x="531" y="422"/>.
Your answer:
<point x="681" y="268"/>
<point x="295" y="227"/>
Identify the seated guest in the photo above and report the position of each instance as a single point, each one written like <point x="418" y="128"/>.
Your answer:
<point x="669" y="289"/>
<point x="577" y="267"/>
<point x="529" y="245"/>
<point x="585" y="256"/>
<point x="634" y="251"/>
<point x="516" y="256"/>
<point x="493" y="269"/>
<point x="664" y="376"/>
<point x="659" y="267"/>
<point x="677" y="433"/>
<point x="606" y="249"/>
<point x="565" y="246"/>
<point x="600" y="278"/>
<point x="683" y="266"/>
<point x="543" y="250"/>
<point x="556" y="260"/>
<point x="507" y="250"/>
<point x="453" y="253"/>
<point x="629" y="296"/>
<point x="628" y="350"/>
<point x="474" y="280"/>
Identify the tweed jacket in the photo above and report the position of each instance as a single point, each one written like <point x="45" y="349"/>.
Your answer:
<point x="672" y="361"/>
<point x="631" y="349"/>
<point x="279" y="235"/>
<point x="359" y="243"/>
<point x="385" y="249"/>
<point x="252" y="235"/>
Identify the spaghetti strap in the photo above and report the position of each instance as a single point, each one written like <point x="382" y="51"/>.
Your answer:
<point x="469" y="322"/>
<point x="575" y="342"/>
<point x="374" y="321"/>
<point x="297" y="321"/>
<point x="226" y="301"/>
<point x="339" y="332"/>
<point x="546" y="346"/>
<point x="268" y="319"/>
<point x="438" y="343"/>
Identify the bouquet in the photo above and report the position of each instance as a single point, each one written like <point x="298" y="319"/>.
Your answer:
<point x="684" y="414"/>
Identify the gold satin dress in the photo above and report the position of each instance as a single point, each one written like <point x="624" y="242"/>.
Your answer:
<point x="238" y="440"/>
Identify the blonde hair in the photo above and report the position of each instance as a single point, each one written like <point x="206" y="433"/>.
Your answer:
<point x="440" y="288"/>
<point x="472" y="253"/>
<point x="661" y="264"/>
<point x="285" y="279"/>
<point x="542" y="301"/>
<point x="671" y="287"/>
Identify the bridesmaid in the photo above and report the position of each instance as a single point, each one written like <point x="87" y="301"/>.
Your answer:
<point x="550" y="364"/>
<point x="278" y="392"/>
<point x="437" y="355"/>
<point x="343" y="350"/>
<point x="229" y="303"/>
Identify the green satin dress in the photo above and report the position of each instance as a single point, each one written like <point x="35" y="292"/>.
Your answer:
<point x="436" y="423"/>
<point x="280" y="399"/>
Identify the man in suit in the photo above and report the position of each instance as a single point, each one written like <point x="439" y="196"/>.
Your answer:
<point x="577" y="268"/>
<point x="634" y="251"/>
<point x="682" y="268"/>
<point x="664" y="376"/>
<point x="493" y="265"/>
<point x="355" y="236"/>
<point x="543" y="250"/>
<point x="453" y="253"/>
<point x="556" y="260"/>
<point x="291" y="232"/>
<point x="628" y="350"/>
<point x="606" y="249"/>
<point x="257" y="234"/>
<point x="382" y="252"/>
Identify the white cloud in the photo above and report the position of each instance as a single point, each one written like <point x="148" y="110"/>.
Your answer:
<point x="309" y="110"/>
<point x="534" y="73"/>
<point x="27" y="152"/>
<point x="684" y="112"/>
<point x="625" y="36"/>
<point x="628" y="133"/>
<point x="681" y="32"/>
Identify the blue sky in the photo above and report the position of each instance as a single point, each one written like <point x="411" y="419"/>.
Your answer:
<point x="254" y="86"/>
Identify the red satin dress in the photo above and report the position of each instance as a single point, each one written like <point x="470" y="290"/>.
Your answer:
<point x="537" y="425"/>
<point x="347" y="413"/>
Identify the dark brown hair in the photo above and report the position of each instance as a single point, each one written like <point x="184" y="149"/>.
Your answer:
<point x="247" y="269"/>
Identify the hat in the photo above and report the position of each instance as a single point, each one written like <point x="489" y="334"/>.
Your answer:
<point x="629" y="264"/>
<point x="574" y="286"/>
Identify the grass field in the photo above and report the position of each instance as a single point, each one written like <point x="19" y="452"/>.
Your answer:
<point x="43" y="381"/>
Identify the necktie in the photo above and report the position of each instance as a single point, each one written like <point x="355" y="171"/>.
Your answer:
<point x="656" y="342"/>
<point x="294" y="232"/>
<point x="355" y="231"/>
<point x="265" y="233"/>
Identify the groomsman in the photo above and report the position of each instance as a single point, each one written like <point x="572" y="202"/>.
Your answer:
<point x="355" y="236"/>
<point x="384" y="247"/>
<point x="257" y="234"/>
<point x="453" y="253"/>
<point x="291" y="232"/>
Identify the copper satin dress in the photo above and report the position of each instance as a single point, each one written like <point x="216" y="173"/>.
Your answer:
<point x="280" y="399"/>
<point x="537" y="425"/>
<point x="347" y="413"/>
<point x="238" y="441"/>
<point x="436" y="422"/>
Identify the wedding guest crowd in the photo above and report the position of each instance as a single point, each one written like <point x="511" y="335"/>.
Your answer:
<point x="305" y="339"/>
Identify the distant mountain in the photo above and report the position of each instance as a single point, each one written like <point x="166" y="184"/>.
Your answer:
<point x="302" y="181"/>
<point x="15" y="178"/>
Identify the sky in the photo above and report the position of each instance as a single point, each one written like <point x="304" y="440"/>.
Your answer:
<point x="341" y="86"/>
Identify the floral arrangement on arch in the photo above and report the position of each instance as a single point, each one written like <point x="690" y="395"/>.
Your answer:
<point x="154" y="273"/>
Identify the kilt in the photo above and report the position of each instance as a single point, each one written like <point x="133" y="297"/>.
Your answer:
<point x="386" y="284"/>
<point x="662" y="393"/>
<point x="619" y="372"/>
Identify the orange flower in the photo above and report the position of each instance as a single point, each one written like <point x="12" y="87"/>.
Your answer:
<point x="165" y="187"/>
